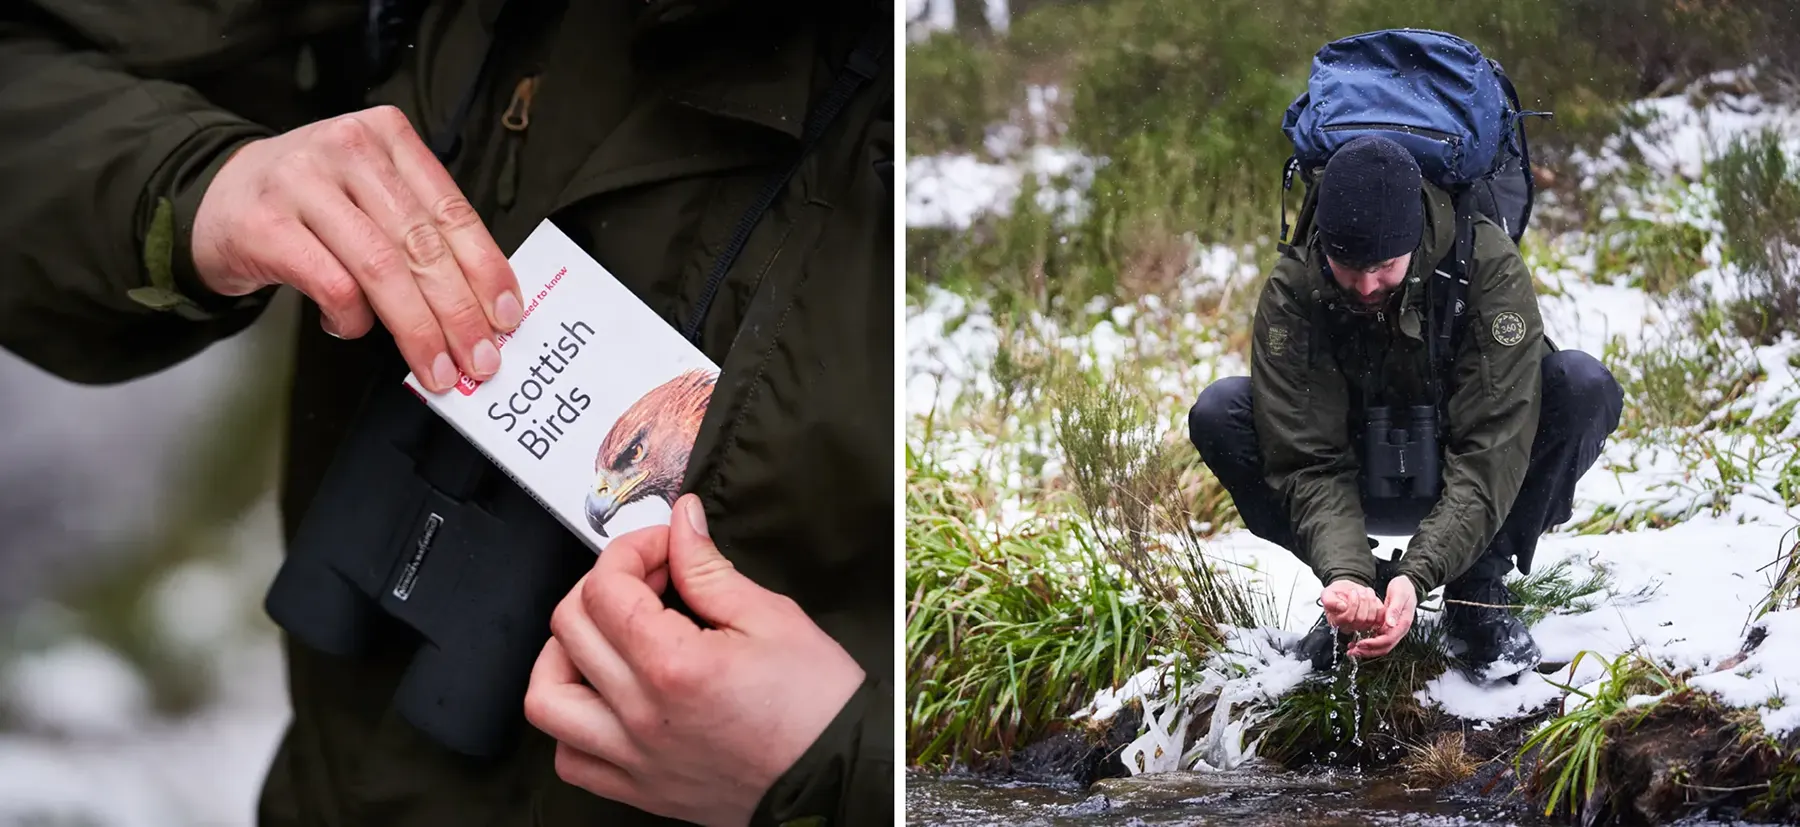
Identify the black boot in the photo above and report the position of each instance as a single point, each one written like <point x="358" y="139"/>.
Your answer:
<point x="1490" y="643"/>
<point x="1322" y="644"/>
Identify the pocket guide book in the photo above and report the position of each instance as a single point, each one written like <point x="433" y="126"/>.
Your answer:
<point x="597" y="402"/>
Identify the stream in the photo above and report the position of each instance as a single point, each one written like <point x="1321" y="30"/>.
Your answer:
<point x="1241" y="797"/>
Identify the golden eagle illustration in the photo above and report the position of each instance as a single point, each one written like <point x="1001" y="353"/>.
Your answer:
<point x="646" y="452"/>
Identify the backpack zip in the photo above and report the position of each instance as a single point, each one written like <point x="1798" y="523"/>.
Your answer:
<point x="1426" y="132"/>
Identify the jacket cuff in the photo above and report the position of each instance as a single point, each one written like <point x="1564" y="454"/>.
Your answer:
<point x="1422" y="581"/>
<point x="846" y="778"/>
<point x="170" y="201"/>
<point x="1330" y="576"/>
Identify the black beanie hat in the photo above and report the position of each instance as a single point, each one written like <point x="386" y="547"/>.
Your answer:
<point x="1369" y="206"/>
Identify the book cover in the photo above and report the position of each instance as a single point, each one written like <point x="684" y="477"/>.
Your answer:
<point x="597" y="402"/>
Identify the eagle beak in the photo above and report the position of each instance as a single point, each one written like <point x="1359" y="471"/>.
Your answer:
<point x="607" y="496"/>
<point x="600" y="508"/>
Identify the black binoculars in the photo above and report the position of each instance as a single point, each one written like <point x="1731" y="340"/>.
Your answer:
<point x="413" y="531"/>
<point x="1401" y="460"/>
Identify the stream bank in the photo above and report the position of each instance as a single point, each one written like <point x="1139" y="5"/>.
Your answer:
<point x="1676" y="756"/>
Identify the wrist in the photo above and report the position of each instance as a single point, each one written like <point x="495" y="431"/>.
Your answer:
<point x="171" y="200"/>
<point x="1420" y="585"/>
<point x="849" y="765"/>
<point x="1332" y="577"/>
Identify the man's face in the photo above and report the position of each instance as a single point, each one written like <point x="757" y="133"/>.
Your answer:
<point x="1373" y="286"/>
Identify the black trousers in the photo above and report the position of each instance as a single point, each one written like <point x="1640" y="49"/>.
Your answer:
<point x="1581" y="407"/>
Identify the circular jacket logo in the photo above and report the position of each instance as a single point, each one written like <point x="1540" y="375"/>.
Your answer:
<point x="1509" y="328"/>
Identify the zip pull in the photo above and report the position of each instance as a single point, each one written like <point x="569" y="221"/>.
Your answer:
<point x="516" y="120"/>
<point x="518" y="111"/>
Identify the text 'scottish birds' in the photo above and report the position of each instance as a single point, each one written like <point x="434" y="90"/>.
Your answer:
<point x="602" y="441"/>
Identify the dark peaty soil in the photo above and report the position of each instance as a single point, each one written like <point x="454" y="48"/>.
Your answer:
<point x="1688" y="757"/>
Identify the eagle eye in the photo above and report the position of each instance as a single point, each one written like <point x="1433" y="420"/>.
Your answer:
<point x="631" y="454"/>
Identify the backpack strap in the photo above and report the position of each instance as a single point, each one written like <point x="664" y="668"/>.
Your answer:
<point x="1515" y="129"/>
<point x="1283" y="244"/>
<point x="862" y="66"/>
<point x="1449" y="289"/>
<point x="1293" y="237"/>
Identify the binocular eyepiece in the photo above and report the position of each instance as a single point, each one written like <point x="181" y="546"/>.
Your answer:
<point x="1401" y="460"/>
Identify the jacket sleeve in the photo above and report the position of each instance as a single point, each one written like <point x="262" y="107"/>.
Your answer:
<point x="846" y="778"/>
<point x="104" y="173"/>
<point x="1493" y="416"/>
<point x="1300" y="401"/>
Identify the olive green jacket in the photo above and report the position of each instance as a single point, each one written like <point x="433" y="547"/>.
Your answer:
<point x="653" y="126"/>
<point x="1313" y="364"/>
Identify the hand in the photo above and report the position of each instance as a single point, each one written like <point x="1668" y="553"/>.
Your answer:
<point x="1396" y="620"/>
<point x="680" y="721"/>
<point x="1351" y="606"/>
<point x="356" y="213"/>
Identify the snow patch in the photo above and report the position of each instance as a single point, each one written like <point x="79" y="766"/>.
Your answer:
<point x="1693" y="127"/>
<point x="1766" y="680"/>
<point x="77" y="688"/>
<point x="954" y="190"/>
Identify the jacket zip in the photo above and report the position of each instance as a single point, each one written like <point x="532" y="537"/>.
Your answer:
<point x="515" y="120"/>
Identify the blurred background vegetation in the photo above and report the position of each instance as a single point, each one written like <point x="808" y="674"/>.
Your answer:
<point x="140" y="680"/>
<point x="1184" y="100"/>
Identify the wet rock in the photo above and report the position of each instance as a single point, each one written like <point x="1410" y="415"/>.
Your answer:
<point x="1093" y="805"/>
<point x="1079" y="757"/>
<point x="1496" y="786"/>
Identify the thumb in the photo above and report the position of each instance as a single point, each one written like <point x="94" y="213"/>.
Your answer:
<point x="706" y="581"/>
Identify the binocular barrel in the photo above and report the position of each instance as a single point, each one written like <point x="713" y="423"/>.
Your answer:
<point x="412" y="534"/>
<point x="1400" y="461"/>
<point x="1422" y="450"/>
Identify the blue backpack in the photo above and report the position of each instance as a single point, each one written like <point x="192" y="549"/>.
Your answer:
<point x="1452" y="108"/>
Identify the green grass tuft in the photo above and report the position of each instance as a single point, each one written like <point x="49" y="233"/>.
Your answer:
<point x="1007" y="633"/>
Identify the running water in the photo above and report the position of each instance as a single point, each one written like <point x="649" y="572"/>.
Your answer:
<point x="1355" y="703"/>
<point x="1355" y="697"/>
<point x="1246" y="797"/>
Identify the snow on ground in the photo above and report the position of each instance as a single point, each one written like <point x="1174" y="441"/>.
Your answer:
<point x="1682" y="595"/>
<point x="1684" y="137"/>
<point x="954" y="190"/>
<point x="201" y="771"/>
<point x="81" y="744"/>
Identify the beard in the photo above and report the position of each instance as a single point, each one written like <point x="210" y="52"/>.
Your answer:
<point x="1370" y="305"/>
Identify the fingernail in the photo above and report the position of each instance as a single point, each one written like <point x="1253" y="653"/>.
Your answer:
<point x="696" y="515"/>
<point x="487" y="358"/>
<point x="329" y="327"/>
<point x="443" y="371"/>
<point x="507" y="311"/>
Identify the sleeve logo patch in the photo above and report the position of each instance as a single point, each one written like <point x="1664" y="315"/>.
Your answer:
<point x="1278" y="339"/>
<point x="1509" y="328"/>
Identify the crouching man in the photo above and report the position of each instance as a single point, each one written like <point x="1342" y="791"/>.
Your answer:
<point x="1313" y="446"/>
